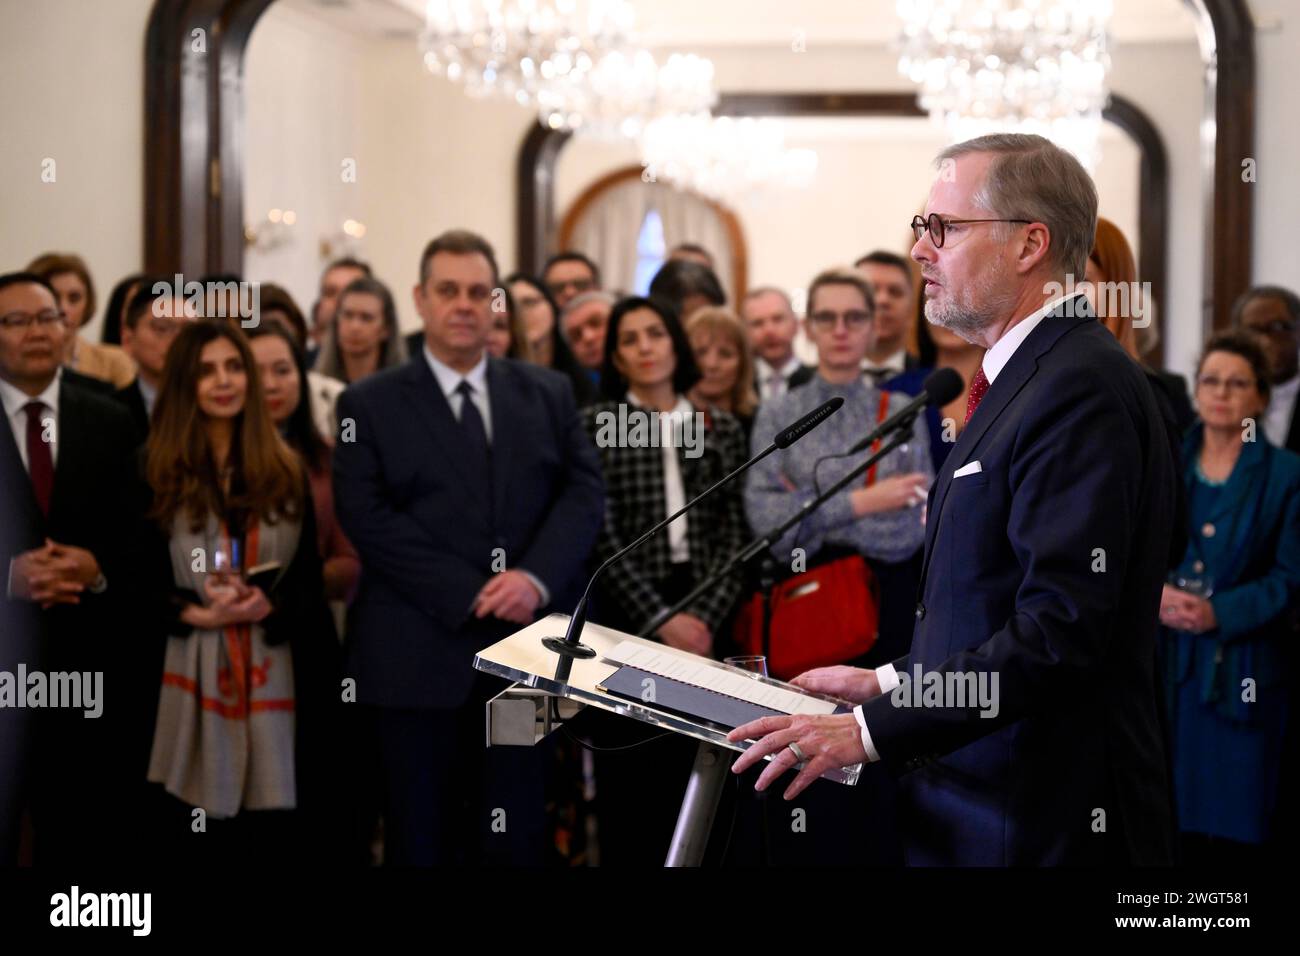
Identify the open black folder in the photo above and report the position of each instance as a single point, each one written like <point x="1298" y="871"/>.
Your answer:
<point x="688" y="700"/>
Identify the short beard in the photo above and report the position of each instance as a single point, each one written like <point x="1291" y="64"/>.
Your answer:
<point x="974" y="310"/>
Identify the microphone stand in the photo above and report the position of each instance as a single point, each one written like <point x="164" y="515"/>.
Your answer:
<point x="765" y="541"/>
<point x="570" y="647"/>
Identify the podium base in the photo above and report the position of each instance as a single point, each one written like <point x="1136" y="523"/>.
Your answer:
<point x="699" y="805"/>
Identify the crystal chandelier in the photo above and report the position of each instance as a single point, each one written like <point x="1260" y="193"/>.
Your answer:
<point x="1010" y="65"/>
<point x="724" y="157"/>
<point x="624" y="91"/>
<point x="514" y="47"/>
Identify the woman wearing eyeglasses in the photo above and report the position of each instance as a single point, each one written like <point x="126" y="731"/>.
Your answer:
<point x="880" y="516"/>
<point x="1227" y="631"/>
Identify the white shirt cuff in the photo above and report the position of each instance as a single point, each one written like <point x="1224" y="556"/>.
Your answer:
<point x="541" y="588"/>
<point x="887" y="676"/>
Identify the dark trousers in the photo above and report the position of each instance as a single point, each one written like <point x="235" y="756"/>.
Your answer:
<point x="448" y="799"/>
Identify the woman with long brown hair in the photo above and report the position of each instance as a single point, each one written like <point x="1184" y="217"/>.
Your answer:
<point x="250" y="671"/>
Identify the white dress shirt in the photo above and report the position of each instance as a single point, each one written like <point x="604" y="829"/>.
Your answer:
<point x="773" y="381"/>
<point x="15" y="399"/>
<point x="670" y="426"/>
<point x="449" y="381"/>
<point x="1281" y="403"/>
<point x="995" y="360"/>
<point x="896" y="363"/>
<point x="148" y="393"/>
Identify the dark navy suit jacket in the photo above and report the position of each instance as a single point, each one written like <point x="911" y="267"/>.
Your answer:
<point x="1045" y="568"/>
<point x="426" y="542"/>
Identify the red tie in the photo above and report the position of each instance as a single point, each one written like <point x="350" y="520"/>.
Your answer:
<point x="40" y="463"/>
<point x="978" y="386"/>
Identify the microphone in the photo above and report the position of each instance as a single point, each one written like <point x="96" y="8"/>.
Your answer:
<point x="569" y="646"/>
<point x="788" y="436"/>
<point x="941" y="387"/>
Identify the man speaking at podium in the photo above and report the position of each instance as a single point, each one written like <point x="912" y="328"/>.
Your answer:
<point x="1047" y="535"/>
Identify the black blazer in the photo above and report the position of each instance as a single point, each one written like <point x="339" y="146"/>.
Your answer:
<point x="1293" y="434"/>
<point x="427" y="544"/>
<point x="132" y="400"/>
<point x="96" y="505"/>
<point x="1043" y="570"/>
<point x="631" y="590"/>
<point x="1171" y="388"/>
<point x="801" y="376"/>
<point x="301" y="618"/>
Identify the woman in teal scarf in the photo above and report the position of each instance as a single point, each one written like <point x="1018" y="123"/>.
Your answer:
<point x="1226" y="616"/>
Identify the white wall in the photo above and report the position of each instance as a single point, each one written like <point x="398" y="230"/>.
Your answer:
<point x="302" y="123"/>
<point x="431" y="159"/>
<point x="72" y="90"/>
<point x="1277" y="143"/>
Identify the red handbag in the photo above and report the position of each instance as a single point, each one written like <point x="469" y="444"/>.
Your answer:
<point x="829" y="614"/>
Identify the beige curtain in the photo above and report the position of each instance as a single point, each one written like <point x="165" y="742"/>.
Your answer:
<point x="608" y="230"/>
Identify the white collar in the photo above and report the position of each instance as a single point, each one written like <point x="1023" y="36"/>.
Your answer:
<point x="683" y="406"/>
<point x="449" y="379"/>
<point x="148" y="392"/>
<point x="767" y="371"/>
<point x="896" y="361"/>
<point x="999" y="354"/>
<point x="1287" y="389"/>
<point x="14" y="398"/>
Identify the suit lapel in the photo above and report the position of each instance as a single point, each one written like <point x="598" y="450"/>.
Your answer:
<point x="75" y="458"/>
<point x="425" y="398"/>
<point x="1293" y="435"/>
<point x="1013" y="377"/>
<point x="508" y="409"/>
<point x="14" y="476"/>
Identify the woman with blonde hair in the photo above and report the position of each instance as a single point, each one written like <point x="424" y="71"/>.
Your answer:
<point x="76" y="291"/>
<point x="726" y="364"/>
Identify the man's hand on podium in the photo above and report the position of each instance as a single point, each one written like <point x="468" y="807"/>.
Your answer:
<point x="854" y="684"/>
<point x="825" y="742"/>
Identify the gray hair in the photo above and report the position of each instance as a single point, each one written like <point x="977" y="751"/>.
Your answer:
<point x="586" y="298"/>
<point x="1032" y="178"/>
<point x="770" y="290"/>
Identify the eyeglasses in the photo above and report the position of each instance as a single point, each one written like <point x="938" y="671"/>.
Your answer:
<point x="938" y="226"/>
<point x="577" y="285"/>
<point x="853" y="319"/>
<point x="1212" y="382"/>
<point x="24" y="320"/>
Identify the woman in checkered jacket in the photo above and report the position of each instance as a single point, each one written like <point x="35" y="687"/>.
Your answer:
<point x="658" y="451"/>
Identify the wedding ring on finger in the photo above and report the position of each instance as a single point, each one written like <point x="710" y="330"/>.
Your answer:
<point x="798" y="754"/>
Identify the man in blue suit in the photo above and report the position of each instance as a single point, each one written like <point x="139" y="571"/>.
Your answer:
<point x="473" y="496"/>
<point x="1025" y="727"/>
